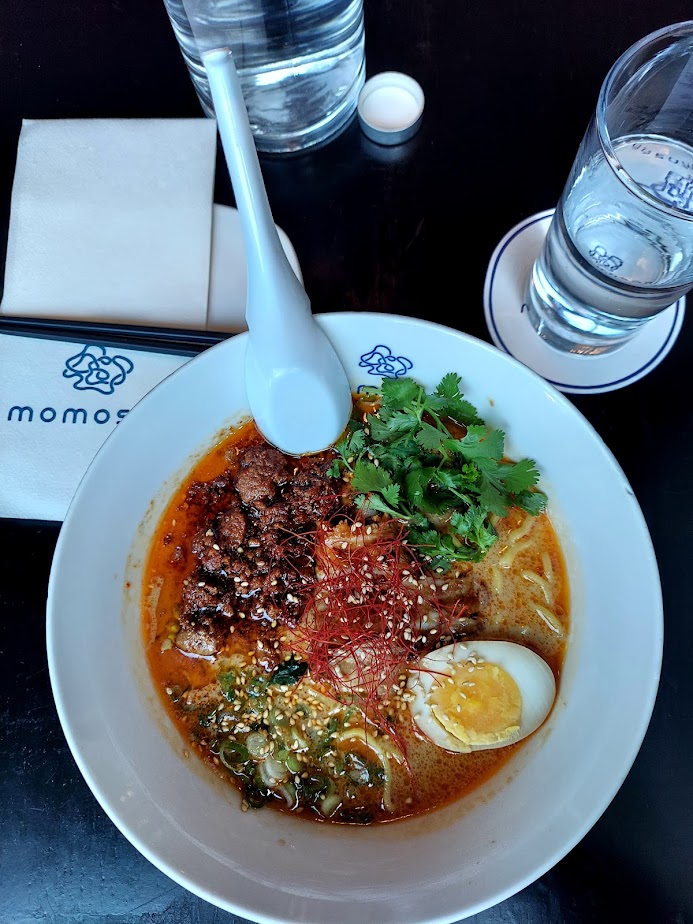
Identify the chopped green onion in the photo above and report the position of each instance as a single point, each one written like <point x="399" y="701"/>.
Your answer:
<point x="329" y="804"/>
<point x="232" y="754"/>
<point x="257" y="744"/>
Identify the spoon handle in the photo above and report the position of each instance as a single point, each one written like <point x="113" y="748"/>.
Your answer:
<point x="271" y="279"/>
<point x="297" y="388"/>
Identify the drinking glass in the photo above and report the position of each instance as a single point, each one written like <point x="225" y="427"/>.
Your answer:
<point x="619" y="248"/>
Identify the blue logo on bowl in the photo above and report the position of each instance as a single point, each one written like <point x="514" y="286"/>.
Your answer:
<point x="380" y="361"/>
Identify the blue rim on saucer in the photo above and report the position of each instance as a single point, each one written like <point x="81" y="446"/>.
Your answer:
<point x="512" y="332"/>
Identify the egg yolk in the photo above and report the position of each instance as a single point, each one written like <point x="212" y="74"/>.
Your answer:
<point x="477" y="703"/>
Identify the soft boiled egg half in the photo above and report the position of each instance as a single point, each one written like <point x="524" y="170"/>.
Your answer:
<point x="479" y="695"/>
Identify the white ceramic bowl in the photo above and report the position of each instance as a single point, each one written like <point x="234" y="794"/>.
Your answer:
<point x="438" y="868"/>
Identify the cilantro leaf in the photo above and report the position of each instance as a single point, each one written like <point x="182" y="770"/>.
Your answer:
<point x="472" y="525"/>
<point x="389" y="427"/>
<point x="520" y="476"/>
<point x="400" y="393"/>
<point x="368" y="477"/>
<point x="533" y="502"/>
<point x="455" y="405"/>
<point x="491" y="498"/>
<point x="416" y="484"/>
<point x="430" y="438"/>
<point x="479" y="443"/>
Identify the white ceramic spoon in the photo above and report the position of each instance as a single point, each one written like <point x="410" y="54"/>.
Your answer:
<point x="298" y="391"/>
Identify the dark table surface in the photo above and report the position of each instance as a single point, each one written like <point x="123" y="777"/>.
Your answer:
<point x="410" y="230"/>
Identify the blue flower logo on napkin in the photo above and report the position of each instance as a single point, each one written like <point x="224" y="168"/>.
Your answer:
<point x="95" y="370"/>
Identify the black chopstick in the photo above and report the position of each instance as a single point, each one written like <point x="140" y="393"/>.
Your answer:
<point x="132" y="336"/>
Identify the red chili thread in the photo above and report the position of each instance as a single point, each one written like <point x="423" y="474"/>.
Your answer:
<point x="361" y="621"/>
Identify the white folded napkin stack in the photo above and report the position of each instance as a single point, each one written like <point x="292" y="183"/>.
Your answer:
<point x="111" y="220"/>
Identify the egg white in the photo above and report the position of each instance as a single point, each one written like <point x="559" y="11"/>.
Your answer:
<point x="533" y="676"/>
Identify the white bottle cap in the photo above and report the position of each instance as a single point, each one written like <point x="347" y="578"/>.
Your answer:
<point x="390" y="107"/>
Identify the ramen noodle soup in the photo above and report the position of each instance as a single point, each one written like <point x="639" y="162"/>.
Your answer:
<point x="367" y="633"/>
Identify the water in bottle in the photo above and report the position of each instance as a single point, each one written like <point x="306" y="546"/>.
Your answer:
<point x="301" y="64"/>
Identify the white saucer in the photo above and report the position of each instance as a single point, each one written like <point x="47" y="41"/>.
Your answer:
<point x="512" y="332"/>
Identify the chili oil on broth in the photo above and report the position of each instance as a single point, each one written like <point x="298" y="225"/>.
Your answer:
<point x="522" y="591"/>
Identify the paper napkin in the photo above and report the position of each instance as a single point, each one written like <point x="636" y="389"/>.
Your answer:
<point x="58" y="403"/>
<point x="111" y="220"/>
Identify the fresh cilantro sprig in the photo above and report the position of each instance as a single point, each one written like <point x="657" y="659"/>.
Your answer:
<point x="429" y="460"/>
